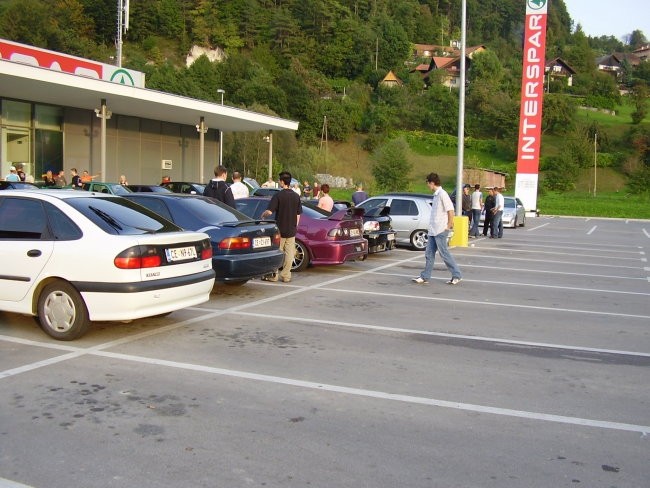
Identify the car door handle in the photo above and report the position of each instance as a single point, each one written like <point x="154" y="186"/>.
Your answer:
<point x="34" y="253"/>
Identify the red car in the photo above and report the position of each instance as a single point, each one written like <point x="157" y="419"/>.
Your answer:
<point x="322" y="238"/>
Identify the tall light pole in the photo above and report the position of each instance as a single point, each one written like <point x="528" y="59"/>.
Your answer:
<point x="461" y="114"/>
<point x="104" y="114"/>
<point x="201" y="129"/>
<point x="221" y="91"/>
<point x="595" y="158"/>
<point x="122" y="27"/>
<point x="269" y="139"/>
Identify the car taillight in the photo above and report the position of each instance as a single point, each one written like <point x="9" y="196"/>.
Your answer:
<point x="276" y="239"/>
<point x="138" y="257"/>
<point x="232" y="243"/>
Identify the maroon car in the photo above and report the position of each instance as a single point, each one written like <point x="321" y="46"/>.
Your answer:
<point x="322" y="237"/>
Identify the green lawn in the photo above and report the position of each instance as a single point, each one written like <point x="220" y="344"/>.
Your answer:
<point x="606" y="204"/>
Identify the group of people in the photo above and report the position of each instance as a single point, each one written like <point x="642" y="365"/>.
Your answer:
<point x="473" y="205"/>
<point x="51" y="178"/>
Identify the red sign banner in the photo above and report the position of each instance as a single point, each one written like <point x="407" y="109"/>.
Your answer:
<point x="532" y="94"/>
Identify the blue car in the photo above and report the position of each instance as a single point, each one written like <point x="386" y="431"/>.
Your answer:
<point x="242" y="248"/>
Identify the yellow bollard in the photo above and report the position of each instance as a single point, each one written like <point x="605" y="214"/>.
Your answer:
<point x="461" y="231"/>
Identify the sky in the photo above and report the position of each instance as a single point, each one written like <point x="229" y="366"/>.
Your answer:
<point x="617" y="18"/>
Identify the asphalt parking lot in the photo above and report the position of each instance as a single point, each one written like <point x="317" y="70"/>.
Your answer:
<point x="532" y="372"/>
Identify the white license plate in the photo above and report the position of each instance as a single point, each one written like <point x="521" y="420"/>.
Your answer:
<point x="180" y="253"/>
<point x="390" y="237"/>
<point x="261" y="242"/>
<point x="355" y="232"/>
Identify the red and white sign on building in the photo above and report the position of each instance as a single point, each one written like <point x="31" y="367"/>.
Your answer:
<point x="532" y="95"/>
<point x="21" y="53"/>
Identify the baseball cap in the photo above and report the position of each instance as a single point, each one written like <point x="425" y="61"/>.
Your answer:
<point x="12" y="168"/>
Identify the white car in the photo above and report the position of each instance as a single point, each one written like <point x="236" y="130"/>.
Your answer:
<point x="72" y="257"/>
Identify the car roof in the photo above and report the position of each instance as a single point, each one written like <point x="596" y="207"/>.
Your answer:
<point x="62" y="193"/>
<point x="406" y="194"/>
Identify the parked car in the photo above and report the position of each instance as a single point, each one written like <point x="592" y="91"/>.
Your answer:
<point x="148" y="189"/>
<point x="102" y="187"/>
<point x="185" y="187"/>
<point x="72" y="257"/>
<point x="17" y="185"/>
<point x="255" y="189"/>
<point x="242" y="248"/>
<point x="514" y="214"/>
<point x="322" y="237"/>
<point x="378" y="230"/>
<point x="409" y="213"/>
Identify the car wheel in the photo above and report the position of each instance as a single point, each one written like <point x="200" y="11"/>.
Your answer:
<point x="62" y="313"/>
<point x="523" y="222"/>
<point x="515" y="224"/>
<point x="419" y="239"/>
<point x="301" y="259"/>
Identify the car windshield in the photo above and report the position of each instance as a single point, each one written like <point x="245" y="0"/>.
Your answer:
<point x="314" y="212"/>
<point x="509" y="202"/>
<point x="121" y="216"/>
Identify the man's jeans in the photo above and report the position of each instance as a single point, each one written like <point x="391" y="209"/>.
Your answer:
<point x="496" y="224"/>
<point x="439" y="243"/>
<point x="476" y="217"/>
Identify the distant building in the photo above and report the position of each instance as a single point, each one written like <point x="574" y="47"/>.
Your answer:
<point x="558" y="69"/>
<point x="391" y="79"/>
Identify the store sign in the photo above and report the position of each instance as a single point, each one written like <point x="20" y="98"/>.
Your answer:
<point x="21" y="53"/>
<point x="532" y="94"/>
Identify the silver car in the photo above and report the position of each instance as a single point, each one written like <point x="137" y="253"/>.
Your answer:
<point x="409" y="213"/>
<point x="514" y="213"/>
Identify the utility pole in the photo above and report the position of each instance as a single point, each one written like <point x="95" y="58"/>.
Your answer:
<point x="595" y="158"/>
<point x="122" y="27"/>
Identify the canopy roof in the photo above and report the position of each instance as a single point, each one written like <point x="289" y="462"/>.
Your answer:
<point x="41" y="85"/>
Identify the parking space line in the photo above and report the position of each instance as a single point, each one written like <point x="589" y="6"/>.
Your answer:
<point x="545" y="261"/>
<point x="557" y="253"/>
<point x="528" y="415"/>
<point x="537" y="227"/>
<point x="592" y="230"/>
<point x="489" y="304"/>
<point x="448" y="335"/>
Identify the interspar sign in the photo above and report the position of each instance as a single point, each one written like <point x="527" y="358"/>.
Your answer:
<point x="21" y="53"/>
<point x="532" y="94"/>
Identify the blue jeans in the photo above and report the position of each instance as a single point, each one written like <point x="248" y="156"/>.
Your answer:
<point x="496" y="225"/>
<point x="439" y="243"/>
<point x="476" y="217"/>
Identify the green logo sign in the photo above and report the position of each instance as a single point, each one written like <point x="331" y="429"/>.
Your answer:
<point x="122" y="77"/>
<point x="537" y="4"/>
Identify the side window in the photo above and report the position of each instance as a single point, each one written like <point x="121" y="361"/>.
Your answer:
<point x="62" y="226"/>
<point x="21" y="218"/>
<point x="374" y="203"/>
<point x="403" y="207"/>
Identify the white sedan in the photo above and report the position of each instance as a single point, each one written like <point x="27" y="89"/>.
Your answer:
<point x="72" y="257"/>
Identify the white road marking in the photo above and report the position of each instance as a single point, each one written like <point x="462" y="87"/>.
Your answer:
<point x="552" y="253"/>
<point x="538" y="227"/>
<point x="592" y="230"/>
<point x="646" y="233"/>
<point x="545" y="261"/>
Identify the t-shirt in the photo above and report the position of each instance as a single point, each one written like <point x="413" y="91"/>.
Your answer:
<point x="359" y="196"/>
<point x="326" y="203"/>
<point x="239" y="190"/>
<point x="286" y="205"/>
<point x="476" y="200"/>
<point x="439" y="219"/>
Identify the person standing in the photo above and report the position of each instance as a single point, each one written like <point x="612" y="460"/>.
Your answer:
<point x="12" y="176"/>
<point x="359" y="195"/>
<point x="440" y="223"/>
<point x="239" y="189"/>
<point x="489" y="206"/>
<point x="76" y="179"/>
<point x="122" y="180"/>
<point x="497" y="211"/>
<point x="218" y="189"/>
<point x="288" y="208"/>
<point x="477" y="206"/>
<point x="467" y="204"/>
<point x="20" y="171"/>
<point x="306" y="188"/>
<point x="325" y="201"/>
<point x="60" y="180"/>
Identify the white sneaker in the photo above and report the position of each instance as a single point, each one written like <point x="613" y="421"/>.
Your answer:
<point x="454" y="281"/>
<point x="419" y="280"/>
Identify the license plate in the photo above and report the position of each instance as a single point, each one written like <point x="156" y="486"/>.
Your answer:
<point x="261" y="242"/>
<point x="390" y="237"/>
<point x="180" y="253"/>
<point x="355" y="232"/>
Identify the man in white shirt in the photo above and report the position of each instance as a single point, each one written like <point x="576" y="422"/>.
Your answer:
<point x="497" y="225"/>
<point x="477" y="206"/>
<point x="440" y="223"/>
<point x="13" y="175"/>
<point x="239" y="189"/>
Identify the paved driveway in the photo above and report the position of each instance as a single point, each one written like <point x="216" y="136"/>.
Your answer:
<point x="533" y="372"/>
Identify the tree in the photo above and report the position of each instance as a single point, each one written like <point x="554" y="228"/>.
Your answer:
<point x="391" y="167"/>
<point x="640" y="98"/>
<point x="558" y="114"/>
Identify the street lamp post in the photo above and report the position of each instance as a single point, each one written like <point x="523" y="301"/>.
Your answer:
<point x="269" y="139"/>
<point x="221" y="91"/>
<point x="201" y="129"/>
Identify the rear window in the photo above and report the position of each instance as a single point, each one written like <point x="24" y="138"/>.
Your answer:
<point x="120" y="216"/>
<point x="219" y="212"/>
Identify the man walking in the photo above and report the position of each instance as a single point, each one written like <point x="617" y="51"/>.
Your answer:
<point x="440" y="223"/>
<point x="287" y="207"/>
<point x="489" y="206"/>
<point x="359" y="195"/>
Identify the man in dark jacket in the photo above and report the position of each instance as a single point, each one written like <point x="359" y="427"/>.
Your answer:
<point x="490" y="202"/>
<point x="218" y="188"/>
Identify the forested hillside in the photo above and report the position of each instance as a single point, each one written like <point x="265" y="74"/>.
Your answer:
<point x="308" y="60"/>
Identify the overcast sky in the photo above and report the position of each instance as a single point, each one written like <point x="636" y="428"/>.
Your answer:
<point x="616" y="18"/>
